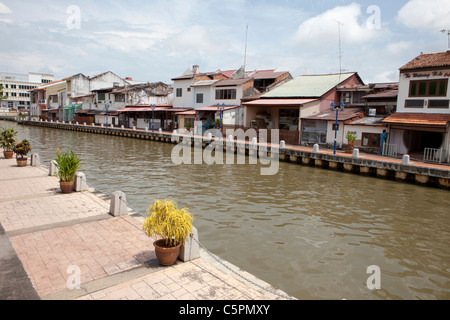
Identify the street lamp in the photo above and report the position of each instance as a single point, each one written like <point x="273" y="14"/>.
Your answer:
<point x="153" y="116"/>
<point x="106" y="108"/>
<point x="336" y="108"/>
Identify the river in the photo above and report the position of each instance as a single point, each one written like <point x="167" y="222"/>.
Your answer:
<point x="311" y="232"/>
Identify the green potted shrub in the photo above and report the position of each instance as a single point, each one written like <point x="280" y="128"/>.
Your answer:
<point x="351" y="137"/>
<point x="188" y="126"/>
<point x="218" y="123"/>
<point x="171" y="225"/>
<point x="7" y="142"/>
<point x="21" y="150"/>
<point x="67" y="163"/>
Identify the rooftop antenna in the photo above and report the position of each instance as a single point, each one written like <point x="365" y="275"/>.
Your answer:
<point x="245" y="52"/>
<point x="448" y="34"/>
<point x="340" y="47"/>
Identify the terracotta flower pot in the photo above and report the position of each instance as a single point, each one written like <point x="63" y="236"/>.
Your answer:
<point x="167" y="256"/>
<point x="8" y="154"/>
<point x="350" y="147"/>
<point x="22" y="162"/>
<point x="66" y="187"/>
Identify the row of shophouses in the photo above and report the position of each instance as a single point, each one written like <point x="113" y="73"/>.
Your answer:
<point x="414" y="111"/>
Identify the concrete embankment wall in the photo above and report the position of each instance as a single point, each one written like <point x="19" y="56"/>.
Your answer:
<point x="386" y="168"/>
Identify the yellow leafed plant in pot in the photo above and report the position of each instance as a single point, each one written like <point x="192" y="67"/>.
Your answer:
<point x="172" y="225"/>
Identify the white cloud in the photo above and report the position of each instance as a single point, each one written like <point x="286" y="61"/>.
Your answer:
<point x="425" y="14"/>
<point x="4" y="9"/>
<point x="399" y="47"/>
<point x="323" y="28"/>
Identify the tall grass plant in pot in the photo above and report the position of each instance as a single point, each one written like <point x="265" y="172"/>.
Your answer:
<point x="171" y="225"/>
<point x="67" y="163"/>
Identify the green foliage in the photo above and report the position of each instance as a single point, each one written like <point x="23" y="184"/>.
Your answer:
<point x="350" y="136"/>
<point x="166" y="220"/>
<point x="218" y="123"/>
<point x="22" y="148"/>
<point x="7" y="139"/>
<point x="68" y="164"/>
<point x="2" y="97"/>
<point x="188" y="125"/>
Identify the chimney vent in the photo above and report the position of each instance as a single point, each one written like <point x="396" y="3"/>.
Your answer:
<point x="195" y="69"/>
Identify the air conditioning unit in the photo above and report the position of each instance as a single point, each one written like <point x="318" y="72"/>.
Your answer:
<point x="372" y="112"/>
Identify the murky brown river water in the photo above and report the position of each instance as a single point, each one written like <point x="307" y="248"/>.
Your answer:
<point x="308" y="231"/>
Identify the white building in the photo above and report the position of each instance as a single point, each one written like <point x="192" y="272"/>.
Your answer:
<point x="16" y="88"/>
<point x="421" y="125"/>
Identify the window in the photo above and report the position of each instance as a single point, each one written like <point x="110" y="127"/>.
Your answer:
<point x="428" y="88"/>
<point x="288" y="119"/>
<point x="199" y="98"/>
<point x="371" y="140"/>
<point x="438" y="104"/>
<point x="120" y="98"/>
<point x="101" y="96"/>
<point x="188" y="89"/>
<point x="414" y="103"/>
<point x="179" y="92"/>
<point x="225" y="94"/>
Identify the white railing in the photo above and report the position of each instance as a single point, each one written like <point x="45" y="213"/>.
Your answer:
<point x="389" y="150"/>
<point x="433" y="155"/>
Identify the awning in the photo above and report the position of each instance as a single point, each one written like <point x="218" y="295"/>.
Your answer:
<point x="215" y="108"/>
<point x="278" y="102"/>
<point x="347" y="114"/>
<point x="149" y="109"/>
<point x="186" y="113"/>
<point x="418" y="119"/>
<point x="70" y="106"/>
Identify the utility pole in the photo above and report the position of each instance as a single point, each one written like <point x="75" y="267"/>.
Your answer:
<point x="340" y="47"/>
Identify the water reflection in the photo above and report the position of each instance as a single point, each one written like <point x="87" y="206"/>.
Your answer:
<point x="308" y="231"/>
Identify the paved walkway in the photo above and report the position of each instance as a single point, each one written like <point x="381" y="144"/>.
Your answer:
<point x="47" y="237"/>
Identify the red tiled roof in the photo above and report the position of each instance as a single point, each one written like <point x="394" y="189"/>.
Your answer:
<point x="382" y="94"/>
<point x="420" y="119"/>
<point x="428" y="60"/>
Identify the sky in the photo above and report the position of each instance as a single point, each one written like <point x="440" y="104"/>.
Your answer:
<point x="157" y="40"/>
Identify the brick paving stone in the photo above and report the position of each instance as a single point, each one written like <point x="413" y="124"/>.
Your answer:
<point x="100" y="248"/>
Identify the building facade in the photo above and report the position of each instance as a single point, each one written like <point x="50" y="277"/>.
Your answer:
<point x="16" y="88"/>
<point x="421" y="125"/>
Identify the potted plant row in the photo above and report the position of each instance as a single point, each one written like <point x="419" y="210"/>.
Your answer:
<point x="67" y="163"/>
<point x="8" y="142"/>
<point x="170" y="225"/>
<point x="21" y="150"/>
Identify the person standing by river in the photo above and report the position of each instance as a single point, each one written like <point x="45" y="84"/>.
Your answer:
<point x="382" y="141"/>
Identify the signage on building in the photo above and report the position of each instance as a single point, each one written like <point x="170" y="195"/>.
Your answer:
<point x="427" y="74"/>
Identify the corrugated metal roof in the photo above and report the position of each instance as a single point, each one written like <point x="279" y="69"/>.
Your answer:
<point x="278" y="102"/>
<point x="422" y="119"/>
<point x="347" y="114"/>
<point x="308" y="86"/>
<point x="231" y="82"/>
<point x="204" y="83"/>
<point x="367" y="121"/>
